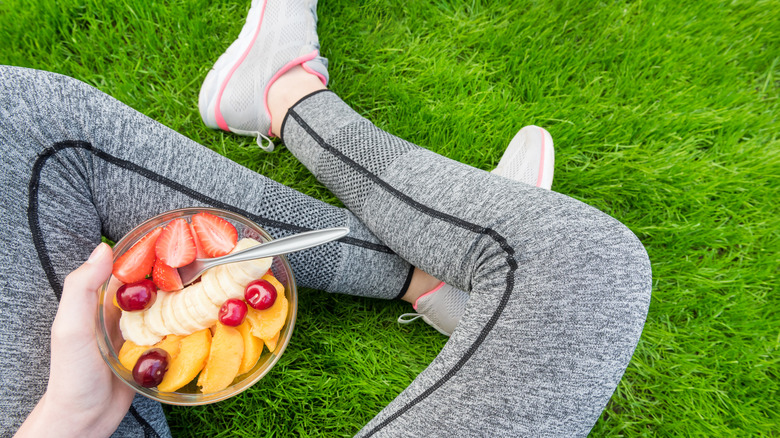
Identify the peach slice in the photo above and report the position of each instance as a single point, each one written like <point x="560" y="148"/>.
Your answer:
<point x="171" y="344"/>
<point x="267" y="323"/>
<point x="193" y="352"/>
<point x="130" y="351"/>
<point x="253" y="347"/>
<point x="227" y="350"/>
<point x="271" y="279"/>
<point x="271" y="343"/>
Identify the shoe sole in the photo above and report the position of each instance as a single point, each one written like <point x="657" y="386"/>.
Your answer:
<point x="547" y="162"/>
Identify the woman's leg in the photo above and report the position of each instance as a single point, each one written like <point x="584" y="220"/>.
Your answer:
<point x="78" y="165"/>
<point x="559" y="290"/>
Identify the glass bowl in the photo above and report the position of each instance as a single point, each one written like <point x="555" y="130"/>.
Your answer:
<point x="110" y="338"/>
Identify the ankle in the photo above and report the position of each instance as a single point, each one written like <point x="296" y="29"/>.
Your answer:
<point x="421" y="283"/>
<point x="288" y="89"/>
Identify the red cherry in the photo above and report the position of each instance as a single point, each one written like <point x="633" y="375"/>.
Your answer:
<point x="260" y="294"/>
<point x="151" y="367"/>
<point x="136" y="296"/>
<point x="232" y="312"/>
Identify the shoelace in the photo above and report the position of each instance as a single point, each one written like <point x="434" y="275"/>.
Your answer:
<point x="269" y="148"/>
<point x="415" y="317"/>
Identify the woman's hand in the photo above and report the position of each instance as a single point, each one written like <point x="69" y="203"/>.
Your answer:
<point x="83" y="397"/>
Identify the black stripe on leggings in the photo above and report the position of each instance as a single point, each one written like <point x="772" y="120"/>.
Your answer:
<point x="407" y="282"/>
<point x="286" y="116"/>
<point x="149" y="431"/>
<point x="498" y="238"/>
<point x="37" y="234"/>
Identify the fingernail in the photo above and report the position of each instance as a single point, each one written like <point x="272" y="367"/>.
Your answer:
<point x="97" y="252"/>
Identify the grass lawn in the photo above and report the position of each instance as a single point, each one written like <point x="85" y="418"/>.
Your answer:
<point x="664" y="115"/>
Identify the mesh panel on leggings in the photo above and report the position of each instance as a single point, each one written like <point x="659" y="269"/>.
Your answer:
<point x="316" y="275"/>
<point x="283" y="204"/>
<point x="357" y="141"/>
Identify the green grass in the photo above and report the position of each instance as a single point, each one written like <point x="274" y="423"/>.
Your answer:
<point x="664" y="115"/>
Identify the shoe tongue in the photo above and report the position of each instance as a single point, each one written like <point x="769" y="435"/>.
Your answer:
<point x="318" y="65"/>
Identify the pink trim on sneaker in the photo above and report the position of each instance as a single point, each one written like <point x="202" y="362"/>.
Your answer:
<point x="217" y="113"/>
<point x="315" y="73"/>
<point x="541" y="162"/>
<point x="297" y="61"/>
<point x="426" y="294"/>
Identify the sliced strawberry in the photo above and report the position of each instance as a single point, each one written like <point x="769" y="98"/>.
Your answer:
<point x="200" y="253"/>
<point x="217" y="236"/>
<point x="175" y="246"/>
<point x="165" y="277"/>
<point x="137" y="262"/>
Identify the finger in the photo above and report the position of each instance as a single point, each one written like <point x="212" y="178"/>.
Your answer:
<point x="76" y="312"/>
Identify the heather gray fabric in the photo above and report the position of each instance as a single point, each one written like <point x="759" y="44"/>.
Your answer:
<point x="559" y="290"/>
<point x="78" y="163"/>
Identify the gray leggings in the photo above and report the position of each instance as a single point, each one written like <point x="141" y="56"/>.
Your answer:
<point x="559" y="290"/>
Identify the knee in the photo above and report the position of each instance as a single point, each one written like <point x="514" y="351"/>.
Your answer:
<point x="580" y="249"/>
<point x="628" y="257"/>
<point x="613" y="268"/>
<point x="593" y="259"/>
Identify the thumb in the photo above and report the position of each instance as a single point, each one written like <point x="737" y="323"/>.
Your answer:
<point x="78" y="304"/>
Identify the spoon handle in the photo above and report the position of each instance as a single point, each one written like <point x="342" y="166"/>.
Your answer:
<point x="285" y="245"/>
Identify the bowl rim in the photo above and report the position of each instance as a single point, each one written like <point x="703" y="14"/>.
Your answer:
<point x="110" y="356"/>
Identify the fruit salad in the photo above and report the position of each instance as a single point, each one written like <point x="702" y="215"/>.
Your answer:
<point x="208" y="334"/>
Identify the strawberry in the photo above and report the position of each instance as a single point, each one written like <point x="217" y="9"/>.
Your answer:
<point x="200" y="253"/>
<point x="137" y="262"/>
<point x="175" y="246"/>
<point x="217" y="236"/>
<point x="165" y="277"/>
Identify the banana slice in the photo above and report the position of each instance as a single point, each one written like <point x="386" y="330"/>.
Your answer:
<point x="153" y="318"/>
<point x="236" y="270"/>
<point x="250" y="270"/>
<point x="212" y="287"/>
<point x="183" y="314"/>
<point x="169" y="313"/>
<point x="230" y="288"/>
<point x="201" y="306"/>
<point x="238" y="274"/>
<point x="258" y="267"/>
<point x="133" y="329"/>
<point x="191" y="294"/>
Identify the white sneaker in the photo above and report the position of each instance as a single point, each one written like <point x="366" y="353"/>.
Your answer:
<point x="529" y="158"/>
<point x="441" y="308"/>
<point x="277" y="36"/>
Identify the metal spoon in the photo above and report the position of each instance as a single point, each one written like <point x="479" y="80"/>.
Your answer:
<point x="285" y="245"/>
